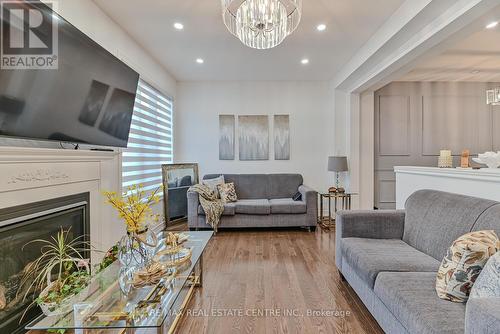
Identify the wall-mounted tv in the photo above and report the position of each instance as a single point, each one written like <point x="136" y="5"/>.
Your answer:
<point x="89" y="98"/>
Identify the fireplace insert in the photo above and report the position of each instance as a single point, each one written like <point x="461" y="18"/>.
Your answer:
<point x="18" y="226"/>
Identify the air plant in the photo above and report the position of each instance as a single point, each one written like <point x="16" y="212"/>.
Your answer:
<point x="63" y="255"/>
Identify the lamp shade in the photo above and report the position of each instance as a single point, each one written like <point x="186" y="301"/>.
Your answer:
<point x="337" y="164"/>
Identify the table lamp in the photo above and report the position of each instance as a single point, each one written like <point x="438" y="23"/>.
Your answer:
<point x="337" y="165"/>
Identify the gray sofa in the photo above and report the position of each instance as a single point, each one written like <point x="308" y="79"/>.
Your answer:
<point x="264" y="200"/>
<point x="391" y="258"/>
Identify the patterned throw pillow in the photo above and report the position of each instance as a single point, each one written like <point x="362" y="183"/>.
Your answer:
<point x="463" y="263"/>
<point x="213" y="183"/>
<point x="227" y="192"/>
<point x="488" y="283"/>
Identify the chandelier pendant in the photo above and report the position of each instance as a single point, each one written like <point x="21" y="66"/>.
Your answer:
<point x="261" y="24"/>
<point x="493" y="96"/>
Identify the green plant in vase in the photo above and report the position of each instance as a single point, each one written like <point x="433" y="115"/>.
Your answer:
<point x="60" y="272"/>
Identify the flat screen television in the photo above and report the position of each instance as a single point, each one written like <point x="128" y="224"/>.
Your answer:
<point x="88" y="99"/>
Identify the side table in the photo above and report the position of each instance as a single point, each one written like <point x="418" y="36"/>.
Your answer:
<point x="341" y="201"/>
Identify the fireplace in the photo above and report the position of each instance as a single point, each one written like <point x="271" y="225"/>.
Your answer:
<point x="22" y="224"/>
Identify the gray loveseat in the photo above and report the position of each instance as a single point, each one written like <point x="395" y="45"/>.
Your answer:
<point x="391" y="258"/>
<point x="264" y="200"/>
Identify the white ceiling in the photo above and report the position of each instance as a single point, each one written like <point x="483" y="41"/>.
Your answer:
<point x="473" y="58"/>
<point x="350" y="23"/>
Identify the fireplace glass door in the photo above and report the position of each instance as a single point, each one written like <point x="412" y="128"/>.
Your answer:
<point x="16" y="253"/>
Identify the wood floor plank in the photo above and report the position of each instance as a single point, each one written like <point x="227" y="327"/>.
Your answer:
<point x="287" y="271"/>
<point x="289" y="276"/>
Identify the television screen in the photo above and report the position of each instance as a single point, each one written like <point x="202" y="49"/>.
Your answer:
<point x="87" y="98"/>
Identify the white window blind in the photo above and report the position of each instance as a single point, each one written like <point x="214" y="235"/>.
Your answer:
<point x="150" y="141"/>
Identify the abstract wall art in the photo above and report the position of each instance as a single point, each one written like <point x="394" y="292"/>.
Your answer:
<point x="253" y="137"/>
<point x="281" y="137"/>
<point x="226" y="137"/>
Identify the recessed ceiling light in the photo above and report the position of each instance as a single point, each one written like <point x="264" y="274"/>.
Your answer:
<point x="178" y="26"/>
<point x="321" y="27"/>
<point x="199" y="61"/>
<point x="492" y="25"/>
<point x="304" y="61"/>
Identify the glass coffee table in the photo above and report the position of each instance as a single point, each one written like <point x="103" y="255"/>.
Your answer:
<point x="151" y="309"/>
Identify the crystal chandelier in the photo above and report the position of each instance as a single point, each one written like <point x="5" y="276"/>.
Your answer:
<point x="493" y="97"/>
<point x="261" y="24"/>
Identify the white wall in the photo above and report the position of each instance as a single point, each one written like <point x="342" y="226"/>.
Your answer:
<point x="309" y="105"/>
<point x="91" y="20"/>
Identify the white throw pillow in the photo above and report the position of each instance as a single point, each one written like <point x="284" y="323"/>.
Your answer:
<point x="212" y="184"/>
<point x="487" y="284"/>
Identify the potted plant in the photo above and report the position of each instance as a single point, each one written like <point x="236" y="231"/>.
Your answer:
<point x="134" y="207"/>
<point x="60" y="273"/>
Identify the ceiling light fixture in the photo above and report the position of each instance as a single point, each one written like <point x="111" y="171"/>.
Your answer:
<point x="304" y="61"/>
<point x="321" y="27"/>
<point x="200" y="60"/>
<point x="493" y="97"/>
<point x="492" y="25"/>
<point x="261" y="24"/>
<point x="178" y="26"/>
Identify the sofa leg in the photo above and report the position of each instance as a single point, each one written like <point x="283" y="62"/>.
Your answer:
<point x="312" y="229"/>
<point x="342" y="278"/>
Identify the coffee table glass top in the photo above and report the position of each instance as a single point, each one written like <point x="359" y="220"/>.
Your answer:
<point x="103" y="305"/>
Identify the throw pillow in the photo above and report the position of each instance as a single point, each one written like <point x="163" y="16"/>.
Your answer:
<point x="488" y="283"/>
<point x="213" y="183"/>
<point x="462" y="264"/>
<point x="227" y="192"/>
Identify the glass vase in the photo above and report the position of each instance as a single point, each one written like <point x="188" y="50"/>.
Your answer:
<point x="137" y="249"/>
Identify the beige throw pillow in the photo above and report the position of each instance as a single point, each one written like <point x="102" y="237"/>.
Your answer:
<point x="227" y="192"/>
<point x="213" y="183"/>
<point x="463" y="263"/>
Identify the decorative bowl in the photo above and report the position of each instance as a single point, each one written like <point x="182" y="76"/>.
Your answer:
<point x="490" y="159"/>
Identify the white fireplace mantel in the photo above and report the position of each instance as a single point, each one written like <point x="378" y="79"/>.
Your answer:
<point x="483" y="183"/>
<point x="29" y="175"/>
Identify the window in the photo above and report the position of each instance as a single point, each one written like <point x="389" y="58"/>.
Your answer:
<point x="150" y="141"/>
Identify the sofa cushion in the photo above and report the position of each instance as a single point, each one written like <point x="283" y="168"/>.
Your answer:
<point x="229" y="209"/>
<point x="212" y="183"/>
<point x="369" y="257"/>
<point x="434" y="219"/>
<point x="284" y="185"/>
<point x="411" y="298"/>
<point x="248" y="186"/>
<point x="287" y="205"/>
<point x="487" y="284"/>
<point x="253" y="206"/>
<point x="227" y="192"/>
<point x="463" y="263"/>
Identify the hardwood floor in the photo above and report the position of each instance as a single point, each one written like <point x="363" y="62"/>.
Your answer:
<point x="270" y="282"/>
<point x="284" y="273"/>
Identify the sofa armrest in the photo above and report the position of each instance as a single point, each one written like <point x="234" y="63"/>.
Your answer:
<point x="310" y="197"/>
<point x="482" y="316"/>
<point x="192" y="208"/>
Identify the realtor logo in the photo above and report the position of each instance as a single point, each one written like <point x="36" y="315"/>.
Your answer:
<point x="29" y="35"/>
